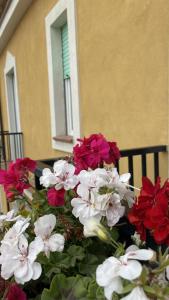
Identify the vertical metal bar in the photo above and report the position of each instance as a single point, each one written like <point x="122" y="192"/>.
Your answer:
<point x="22" y="152"/>
<point x="144" y="164"/>
<point x="8" y="147"/>
<point x="130" y="167"/>
<point x="156" y="165"/>
<point x="37" y="183"/>
<point x="14" y="139"/>
<point x="117" y="166"/>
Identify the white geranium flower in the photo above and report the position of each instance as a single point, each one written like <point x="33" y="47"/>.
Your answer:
<point x="137" y="293"/>
<point x="109" y="274"/>
<point x="20" y="261"/>
<point x="43" y="229"/>
<point x="94" y="178"/>
<point x="84" y="206"/>
<point x="114" y="209"/>
<point x="119" y="183"/>
<point x="48" y="178"/>
<point x="65" y="177"/>
<point x="11" y="237"/>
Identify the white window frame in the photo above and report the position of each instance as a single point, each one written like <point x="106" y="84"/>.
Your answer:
<point x="10" y="66"/>
<point x="63" y="11"/>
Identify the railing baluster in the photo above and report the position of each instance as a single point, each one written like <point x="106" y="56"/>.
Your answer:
<point x="130" y="166"/>
<point x="156" y="165"/>
<point x="144" y="165"/>
<point x="117" y="166"/>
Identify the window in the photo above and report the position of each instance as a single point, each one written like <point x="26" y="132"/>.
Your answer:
<point x="67" y="80"/>
<point x="62" y="74"/>
<point x="12" y="104"/>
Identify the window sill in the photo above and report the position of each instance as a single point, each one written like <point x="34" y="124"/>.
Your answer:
<point x="63" y="138"/>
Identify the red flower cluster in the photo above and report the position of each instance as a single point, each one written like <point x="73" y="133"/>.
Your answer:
<point x="15" y="179"/>
<point x="56" y="197"/>
<point x="93" y="152"/>
<point x="151" y="211"/>
<point x="15" y="293"/>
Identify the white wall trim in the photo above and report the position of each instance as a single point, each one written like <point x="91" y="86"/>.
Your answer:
<point x="10" y="65"/>
<point x="12" y="18"/>
<point x="57" y="11"/>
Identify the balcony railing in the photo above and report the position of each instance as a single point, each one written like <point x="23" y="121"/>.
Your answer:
<point x="11" y="147"/>
<point x="127" y="154"/>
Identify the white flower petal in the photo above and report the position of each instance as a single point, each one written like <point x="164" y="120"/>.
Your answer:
<point x="35" y="248"/>
<point x="48" y="178"/>
<point x="107" y="271"/>
<point x="27" y="277"/>
<point x="131" y="270"/>
<point x="141" y="254"/>
<point x="83" y="192"/>
<point x="37" y="270"/>
<point x="114" y="286"/>
<point x="56" y="242"/>
<point x="21" y="270"/>
<point x="45" y="225"/>
<point x="59" y="167"/>
<point x="125" y="177"/>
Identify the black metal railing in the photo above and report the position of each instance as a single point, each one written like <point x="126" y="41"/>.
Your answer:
<point x="129" y="154"/>
<point x="11" y="147"/>
<point x="143" y="152"/>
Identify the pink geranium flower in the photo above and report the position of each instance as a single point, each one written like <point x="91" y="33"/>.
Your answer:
<point x="15" y="293"/>
<point x="56" y="197"/>
<point x="92" y="152"/>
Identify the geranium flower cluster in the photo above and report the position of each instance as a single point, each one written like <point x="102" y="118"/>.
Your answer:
<point x="93" y="151"/>
<point x="100" y="192"/>
<point x="15" y="179"/>
<point x="151" y="211"/>
<point x="18" y="257"/>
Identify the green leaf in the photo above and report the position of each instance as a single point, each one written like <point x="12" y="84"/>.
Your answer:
<point x="81" y="287"/>
<point x="77" y="252"/>
<point x="88" y="265"/>
<point x="128" y="288"/>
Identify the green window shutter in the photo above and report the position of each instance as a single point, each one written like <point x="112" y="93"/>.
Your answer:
<point x="65" y="51"/>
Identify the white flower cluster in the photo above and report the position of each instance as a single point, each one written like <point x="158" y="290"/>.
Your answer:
<point x="63" y="176"/>
<point x="100" y="194"/>
<point x="18" y="258"/>
<point x="110" y="274"/>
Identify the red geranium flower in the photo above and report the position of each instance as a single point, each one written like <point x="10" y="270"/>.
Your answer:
<point x="56" y="197"/>
<point x="145" y="201"/>
<point x="15" y="293"/>
<point x="151" y="212"/>
<point x="15" y="179"/>
<point x="23" y="165"/>
<point x="93" y="151"/>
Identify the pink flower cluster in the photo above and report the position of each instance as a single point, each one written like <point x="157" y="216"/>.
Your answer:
<point x="15" y="179"/>
<point x="93" y="151"/>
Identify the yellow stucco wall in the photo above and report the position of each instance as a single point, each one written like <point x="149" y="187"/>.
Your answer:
<point x="123" y="73"/>
<point x="123" y="52"/>
<point x="28" y="45"/>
